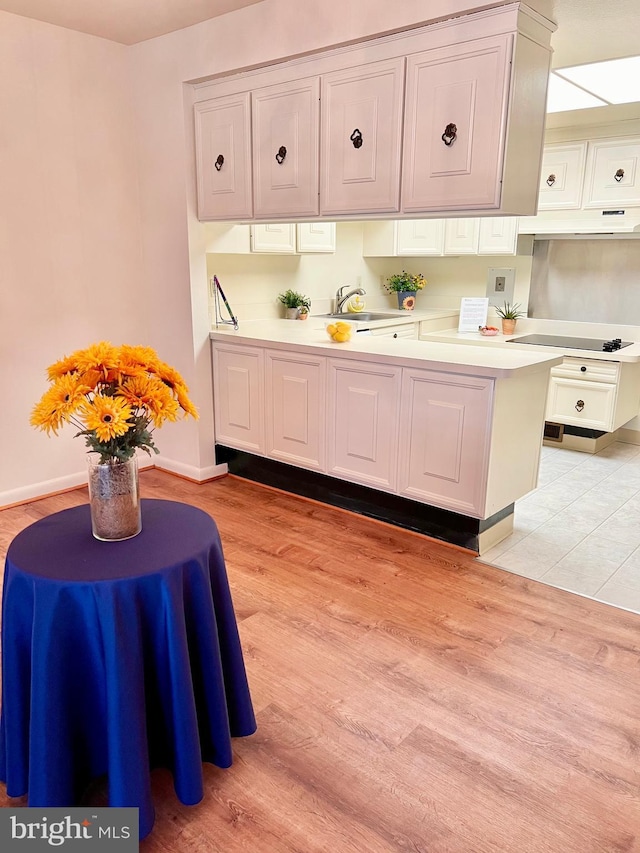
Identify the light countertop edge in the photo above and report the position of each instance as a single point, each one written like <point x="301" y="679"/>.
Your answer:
<point x="428" y="354"/>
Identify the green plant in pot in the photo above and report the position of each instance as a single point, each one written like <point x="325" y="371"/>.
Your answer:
<point x="406" y="285"/>
<point x="509" y="314"/>
<point x="293" y="302"/>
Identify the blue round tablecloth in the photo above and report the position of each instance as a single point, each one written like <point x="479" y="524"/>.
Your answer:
<point x="118" y="657"/>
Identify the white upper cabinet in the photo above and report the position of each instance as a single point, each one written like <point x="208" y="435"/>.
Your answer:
<point x="285" y="149"/>
<point x="461" y="236"/>
<point x="498" y="235"/>
<point x="419" y="237"/>
<point x="361" y="138"/>
<point x="561" y="176"/>
<point x="454" y="127"/>
<point x="495" y="235"/>
<point x="223" y="157"/>
<point x="276" y="238"/>
<point x="613" y="173"/>
<point x="316" y="237"/>
<point x="444" y="118"/>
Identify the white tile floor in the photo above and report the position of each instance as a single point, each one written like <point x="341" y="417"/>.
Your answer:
<point x="580" y="529"/>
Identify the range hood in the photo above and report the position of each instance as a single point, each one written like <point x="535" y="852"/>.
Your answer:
<point x="568" y="224"/>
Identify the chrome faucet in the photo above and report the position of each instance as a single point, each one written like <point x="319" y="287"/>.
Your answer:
<point x="341" y="300"/>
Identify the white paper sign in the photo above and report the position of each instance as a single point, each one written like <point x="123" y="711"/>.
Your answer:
<point x="473" y="313"/>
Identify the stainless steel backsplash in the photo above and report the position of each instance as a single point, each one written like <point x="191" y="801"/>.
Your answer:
<point x="592" y="280"/>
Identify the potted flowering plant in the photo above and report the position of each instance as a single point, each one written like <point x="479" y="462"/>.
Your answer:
<point x="115" y="397"/>
<point x="293" y="302"/>
<point x="406" y="286"/>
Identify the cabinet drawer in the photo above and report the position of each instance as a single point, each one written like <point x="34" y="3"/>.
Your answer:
<point x="587" y="369"/>
<point x="581" y="403"/>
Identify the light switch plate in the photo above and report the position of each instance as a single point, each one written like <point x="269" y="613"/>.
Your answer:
<point x="500" y="285"/>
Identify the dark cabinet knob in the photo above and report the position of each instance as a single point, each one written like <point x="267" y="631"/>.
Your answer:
<point x="551" y="180"/>
<point x="583" y="369"/>
<point x="619" y="175"/>
<point x="219" y="162"/>
<point x="450" y="133"/>
<point x="282" y="153"/>
<point x="395" y="334"/>
<point x="356" y="138"/>
<point x="579" y="405"/>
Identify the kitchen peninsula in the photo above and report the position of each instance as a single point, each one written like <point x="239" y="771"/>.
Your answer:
<point x="436" y="437"/>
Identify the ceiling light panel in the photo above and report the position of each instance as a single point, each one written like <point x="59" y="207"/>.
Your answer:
<point x="563" y="96"/>
<point x="616" y="81"/>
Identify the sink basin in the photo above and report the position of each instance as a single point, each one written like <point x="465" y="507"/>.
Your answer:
<point x="367" y="316"/>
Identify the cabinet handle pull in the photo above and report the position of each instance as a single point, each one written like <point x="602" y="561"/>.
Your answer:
<point x="282" y="153"/>
<point x="450" y="133"/>
<point x="619" y="175"/>
<point x="551" y="180"/>
<point x="356" y="138"/>
<point x="579" y="405"/>
<point x="219" y="162"/>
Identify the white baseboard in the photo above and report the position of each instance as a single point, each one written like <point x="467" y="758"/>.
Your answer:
<point x="629" y="436"/>
<point x="45" y="487"/>
<point x="198" y="475"/>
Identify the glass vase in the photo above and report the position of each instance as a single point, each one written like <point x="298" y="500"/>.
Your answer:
<point x="114" y="498"/>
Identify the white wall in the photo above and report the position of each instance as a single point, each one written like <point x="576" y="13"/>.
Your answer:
<point x="70" y="260"/>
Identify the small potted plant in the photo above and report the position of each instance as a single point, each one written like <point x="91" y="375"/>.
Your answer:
<point x="509" y="314"/>
<point x="292" y="302"/>
<point x="303" y="312"/>
<point x="405" y="285"/>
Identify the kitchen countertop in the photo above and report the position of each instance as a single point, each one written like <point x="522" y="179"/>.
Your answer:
<point x="431" y="353"/>
<point x="527" y="326"/>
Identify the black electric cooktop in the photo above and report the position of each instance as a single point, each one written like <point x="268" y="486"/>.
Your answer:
<point x="598" y="345"/>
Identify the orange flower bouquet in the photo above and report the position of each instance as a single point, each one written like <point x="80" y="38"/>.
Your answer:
<point x="115" y="396"/>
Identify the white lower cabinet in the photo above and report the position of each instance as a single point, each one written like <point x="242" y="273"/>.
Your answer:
<point x="238" y="396"/>
<point x="363" y="422"/>
<point x="464" y="443"/>
<point x="295" y="410"/>
<point x="445" y="422"/>
<point x="594" y="394"/>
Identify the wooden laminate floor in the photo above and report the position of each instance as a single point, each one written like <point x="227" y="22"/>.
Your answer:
<point x="407" y="697"/>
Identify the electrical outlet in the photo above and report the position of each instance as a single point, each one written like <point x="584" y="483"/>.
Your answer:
<point x="500" y="282"/>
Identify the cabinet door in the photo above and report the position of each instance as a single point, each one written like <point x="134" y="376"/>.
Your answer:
<point x="363" y="422"/>
<point x="420" y="237"/>
<point x="238" y="397"/>
<point x="465" y="87"/>
<point x="277" y="238"/>
<point x="445" y="421"/>
<point x="285" y="148"/>
<point x="461" y="236"/>
<point x="613" y="173"/>
<point x="498" y="235"/>
<point x="562" y="176"/>
<point x="223" y="157"/>
<point x="361" y="138"/>
<point x="295" y="416"/>
<point x="316" y="237"/>
<point x="581" y="403"/>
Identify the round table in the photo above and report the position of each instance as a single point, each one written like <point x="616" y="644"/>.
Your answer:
<point x="118" y="657"/>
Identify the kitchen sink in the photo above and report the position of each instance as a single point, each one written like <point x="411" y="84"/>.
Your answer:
<point x="366" y="316"/>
